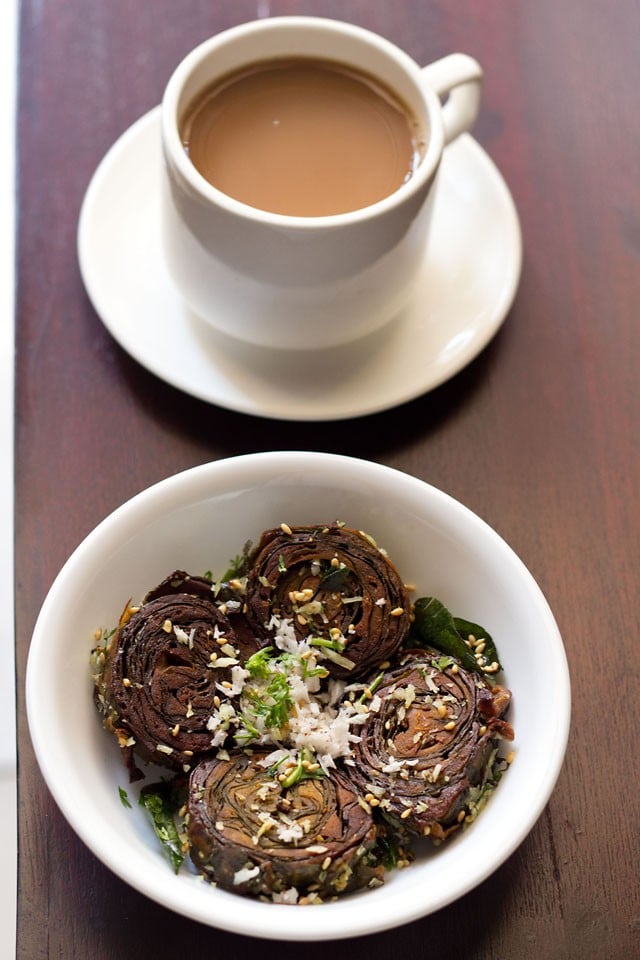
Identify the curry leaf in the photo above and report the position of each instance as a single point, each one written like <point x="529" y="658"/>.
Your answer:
<point x="435" y="626"/>
<point x="466" y="628"/>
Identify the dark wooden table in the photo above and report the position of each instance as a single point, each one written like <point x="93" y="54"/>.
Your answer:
<point x="540" y="435"/>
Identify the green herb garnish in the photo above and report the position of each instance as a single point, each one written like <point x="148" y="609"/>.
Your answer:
<point x="235" y="567"/>
<point x="435" y="626"/>
<point x="444" y="662"/>
<point x="157" y="801"/>
<point x="259" y="663"/>
<point x="337" y="645"/>
<point x="466" y="629"/>
<point x="301" y="772"/>
<point x="335" y="578"/>
<point x="372" y="688"/>
<point x="388" y="846"/>
<point x="269" y="700"/>
<point x="124" y="799"/>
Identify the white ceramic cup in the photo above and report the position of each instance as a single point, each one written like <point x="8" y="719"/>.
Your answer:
<point x="305" y="282"/>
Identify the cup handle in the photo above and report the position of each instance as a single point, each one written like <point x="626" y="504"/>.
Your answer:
<point x="460" y="77"/>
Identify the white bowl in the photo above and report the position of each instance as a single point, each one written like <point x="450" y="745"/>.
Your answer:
<point x="198" y="520"/>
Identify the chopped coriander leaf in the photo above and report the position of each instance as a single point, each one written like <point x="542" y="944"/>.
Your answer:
<point x="258" y="663"/>
<point x="335" y="578"/>
<point x="234" y="568"/>
<point x="444" y="662"/>
<point x="271" y="702"/>
<point x="124" y="799"/>
<point x="156" y="801"/>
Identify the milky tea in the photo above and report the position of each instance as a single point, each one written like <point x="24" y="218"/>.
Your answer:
<point x="302" y="137"/>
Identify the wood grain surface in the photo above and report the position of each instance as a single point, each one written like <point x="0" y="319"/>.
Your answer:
<point x="540" y="435"/>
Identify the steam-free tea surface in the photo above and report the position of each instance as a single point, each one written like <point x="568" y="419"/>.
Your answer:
<point x="302" y="138"/>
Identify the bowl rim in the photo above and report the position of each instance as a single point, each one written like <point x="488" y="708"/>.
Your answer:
<point x="253" y="918"/>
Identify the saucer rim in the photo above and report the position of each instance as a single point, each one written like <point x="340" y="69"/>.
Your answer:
<point x="249" y="404"/>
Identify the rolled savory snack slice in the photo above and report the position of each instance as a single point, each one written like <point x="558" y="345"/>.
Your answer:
<point x="427" y="749"/>
<point x="338" y="589"/>
<point x="228" y="597"/>
<point x="164" y="667"/>
<point x="253" y="835"/>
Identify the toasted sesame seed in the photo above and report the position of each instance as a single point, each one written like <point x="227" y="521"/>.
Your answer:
<point x="397" y="612"/>
<point x="217" y="701"/>
<point x="510" y="757"/>
<point x="482" y="730"/>
<point x="442" y="710"/>
<point x="461" y="816"/>
<point x="227" y="684"/>
<point x="176" y="730"/>
<point x="426" y="831"/>
<point x="368" y="538"/>
<point x="188" y="753"/>
<point x="454" y="668"/>
<point x="219" y="825"/>
<point x="326" y="863"/>
<point x="335" y="562"/>
<point x="450" y="725"/>
<point x="286" y="529"/>
<point x="317" y="848"/>
<point x="167" y="626"/>
<point x="126" y="682"/>
<point x="480" y="647"/>
<point x="406" y="813"/>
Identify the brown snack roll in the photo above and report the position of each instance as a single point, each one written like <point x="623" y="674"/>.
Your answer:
<point x="229" y="601"/>
<point x="251" y="834"/>
<point x="160" y="676"/>
<point x="334" y="584"/>
<point x="429" y="742"/>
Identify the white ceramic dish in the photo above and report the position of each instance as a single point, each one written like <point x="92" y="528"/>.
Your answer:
<point x="469" y="279"/>
<point x="197" y="520"/>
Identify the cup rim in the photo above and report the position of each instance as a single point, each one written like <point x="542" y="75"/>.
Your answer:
<point x="177" y="158"/>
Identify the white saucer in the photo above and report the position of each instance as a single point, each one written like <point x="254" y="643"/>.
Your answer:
<point x="470" y="276"/>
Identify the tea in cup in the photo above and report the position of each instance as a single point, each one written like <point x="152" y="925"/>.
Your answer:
<point x="300" y="163"/>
